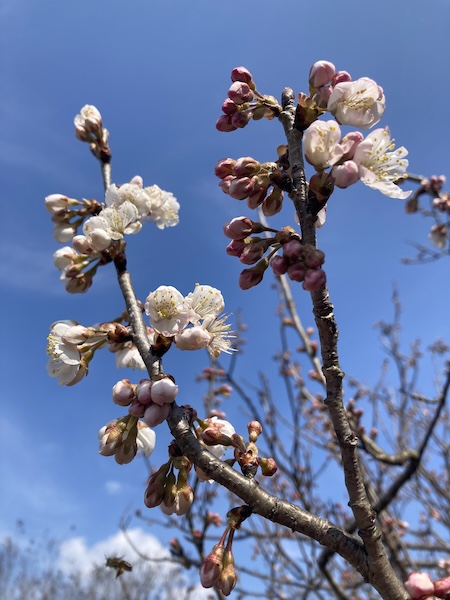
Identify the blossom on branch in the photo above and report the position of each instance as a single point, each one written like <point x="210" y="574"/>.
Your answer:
<point x="65" y="358"/>
<point x="360" y="103"/>
<point x="321" y="142"/>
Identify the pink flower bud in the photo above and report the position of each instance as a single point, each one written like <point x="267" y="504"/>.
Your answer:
<point x="279" y="265"/>
<point x="321" y="73"/>
<point x="225" y="183"/>
<point x="293" y="249"/>
<point x="238" y="228"/>
<point x="143" y="391"/>
<point x="155" y="414"/>
<point x="252" y="253"/>
<point x="314" y="280"/>
<point x="256" y="198"/>
<point x="164" y="391"/>
<point x="346" y="174"/>
<point x="246" y="166"/>
<point x="241" y="188"/>
<point x="236" y="247"/>
<point x="313" y="257"/>
<point x="240" y="92"/>
<point x="442" y="587"/>
<point x="229" y="107"/>
<point x="419" y="585"/>
<point x="193" y="338"/>
<point x="241" y="74"/>
<point x="123" y="392"/>
<point x="340" y="77"/>
<point x="254" y="429"/>
<point x="241" y="118"/>
<point x="273" y="203"/>
<point x="296" y="271"/>
<point x="212" y="566"/>
<point x="251" y="277"/>
<point x="224" y="167"/>
<point x="228" y="578"/>
<point x="136" y="409"/>
<point x="81" y="244"/>
<point x="223" y="124"/>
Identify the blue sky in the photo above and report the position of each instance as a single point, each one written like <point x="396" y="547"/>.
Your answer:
<point x="159" y="72"/>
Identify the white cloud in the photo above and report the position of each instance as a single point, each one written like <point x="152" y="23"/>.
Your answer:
<point x="76" y="556"/>
<point x="113" y="487"/>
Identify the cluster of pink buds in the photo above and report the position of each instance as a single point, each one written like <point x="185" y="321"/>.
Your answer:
<point x="247" y="455"/>
<point x="246" y="178"/>
<point x="168" y="491"/>
<point x="244" y="103"/>
<point x="301" y="262"/>
<point x="420" y="587"/>
<point x="148" y="399"/>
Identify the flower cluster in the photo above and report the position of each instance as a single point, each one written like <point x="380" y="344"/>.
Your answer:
<point x="123" y="437"/>
<point x="244" y="103"/>
<point x="148" y="399"/>
<point x="170" y="492"/>
<point x="420" y="587"/>
<point x="246" y="178"/>
<point x="193" y="322"/>
<point x="372" y="160"/>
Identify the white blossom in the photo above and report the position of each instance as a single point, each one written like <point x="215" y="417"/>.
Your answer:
<point x="146" y="439"/>
<point x="65" y="358"/>
<point x="380" y="165"/>
<point x="360" y="103"/>
<point x="112" y="223"/>
<point x="321" y="143"/>
<point x="206" y="300"/>
<point x="129" y="192"/>
<point x="168" y="310"/>
<point x="162" y="207"/>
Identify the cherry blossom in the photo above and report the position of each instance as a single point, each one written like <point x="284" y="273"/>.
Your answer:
<point x="168" y="310"/>
<point x="65" y="358"/>
<point x="380" y="165"/>
<point x="321" y="142"/>
<point x="112" y="223"/>
<point x="163" y="207"/>
<point x="206" y="300"/>
<point x="359" y="103"/>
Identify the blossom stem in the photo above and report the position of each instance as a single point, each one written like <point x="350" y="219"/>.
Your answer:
<point x="138" y="328"/>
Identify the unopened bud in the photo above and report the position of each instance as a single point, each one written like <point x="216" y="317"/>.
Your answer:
<point x="240" y="92"/>
<point x="246" y="166"/>
<point x="314" y="280"/>
<point x="321" y="73"/>
<point x="254" y="429"/>
<point x="241" y="74"/>
<point x="224" y="167"/>
<point x="164" y="391"/>
<point x="251" y="277"/>
<point x="123" y="392"/>
<point x="268" y="466"/>
<point x="223" y="124"/>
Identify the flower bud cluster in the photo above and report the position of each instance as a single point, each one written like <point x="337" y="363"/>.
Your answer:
<point x="217" y="569"/>
<point x="123" y="437"/>
<point x="148" y="399"/>
<point x="246" y="178"/>
<point x="420" y="587"/>
<point x="244" y="103"/>
<point x="301" y="262"/>
<point x="89" y="128"/>
<point x="172" y="494"/>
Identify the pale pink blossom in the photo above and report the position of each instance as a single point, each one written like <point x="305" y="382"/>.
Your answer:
<point x="359" y="103"/>
<point x="65" y="358"/>
<point x="321" y="143"/>
<point x="112" y="223"/>
<point x="321" y="73"/>
<point x="164" y="391"/>
<point x="346" y="174"/>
